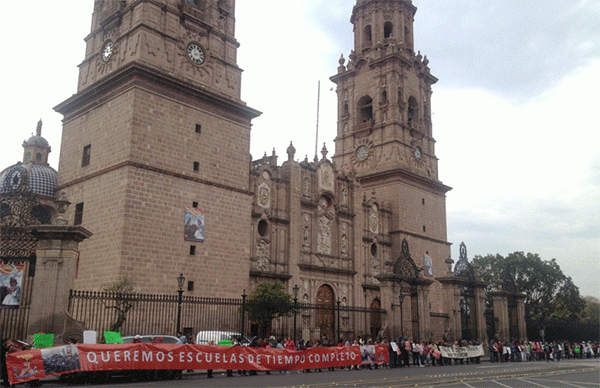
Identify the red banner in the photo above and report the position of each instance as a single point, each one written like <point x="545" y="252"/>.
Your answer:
<point x="39" y="363"/>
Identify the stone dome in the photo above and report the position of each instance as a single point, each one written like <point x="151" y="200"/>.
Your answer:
<point x="40" y="179"/>
<point x="36" y="140"/>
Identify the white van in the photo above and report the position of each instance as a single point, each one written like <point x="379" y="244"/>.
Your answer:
<point x="203" y="337"/>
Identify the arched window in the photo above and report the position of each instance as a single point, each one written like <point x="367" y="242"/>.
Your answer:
<point x="345" y="109"/>
<point x="413" y="110"/>
<point x="365" y="109"/>
<point x="367" y="36"/>
<point x="388" y="30"/>
<point x="407" y="36"/>
<point x="38" y="158"/>
<point x="384" y="96"/>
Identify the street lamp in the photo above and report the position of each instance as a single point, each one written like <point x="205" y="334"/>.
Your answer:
<point x="243" y="312"/>
<point x="295" y="290"/>
<point x="338" y="320"/>
<point x="401" y="299"/>
<point x="180" y="282"/>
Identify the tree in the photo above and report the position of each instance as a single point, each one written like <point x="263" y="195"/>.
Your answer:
<point x="121" y="303"/>
<point x="550" y="295"/>
<point x="268" y="301"/>
<point x="591" y="312"/>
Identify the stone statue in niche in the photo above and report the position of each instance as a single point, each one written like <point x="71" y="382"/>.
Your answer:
<point x="344" y="248"/>
<point x="262" y="264"/>
<point x="324" y="236"/>
<point x="375" y="267"/>
<point x="373" y="223"/>
<point x="306" y="187"/>
<point x="344" y="196"/>
<point x="306" y="236"/>
<point x="326" y="177"/>
<point x="306" y="231"/>
<point x="262" y="249"/>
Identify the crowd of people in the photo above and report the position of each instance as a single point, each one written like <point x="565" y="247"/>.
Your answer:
<point x="404" y="353"/>
<point x="517" y="351"/>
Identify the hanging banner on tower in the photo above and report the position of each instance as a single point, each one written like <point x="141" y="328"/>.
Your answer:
<point x="427" y="265"/>
<point x="194" y="224"/>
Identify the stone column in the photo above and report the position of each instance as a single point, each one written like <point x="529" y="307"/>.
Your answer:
<point x="452" y="307"/>
<point x="451" y="297"/>
<point x="479" y="289"/>
<point x="501" y="315"/>
<point x="521" y="317"/>
<point x="57" y="254"/>
<point x="422" y="285"/>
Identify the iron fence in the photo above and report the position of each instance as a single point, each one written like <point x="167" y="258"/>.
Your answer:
<point x="133" y="314"/>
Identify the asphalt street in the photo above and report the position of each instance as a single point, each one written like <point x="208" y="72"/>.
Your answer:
<point x="567" y="373"/>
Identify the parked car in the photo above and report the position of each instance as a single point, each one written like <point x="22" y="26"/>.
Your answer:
<point x="157" y="339"/>
<point x="203" y="337"/>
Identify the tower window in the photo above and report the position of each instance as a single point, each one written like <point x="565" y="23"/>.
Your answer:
<point x="27" y="157"/>
<point x="198" y="128"/>
<point x="345" y="109"/>
<point x="196" y="166"/>
<point x="78" y="214"/>
<point x="423" y="201"/>
<point x="424" y="228"/>
<point x="38" y="158"/>
<point x="388" y="30"/>
<point x="412" y="109"/>
<point x="194" y="204"/>
<point x="192" y="250"/>
<point x="407" y="39"/>
<point x="190" y="286"/>
<point x="85" y="157"/>
<point x="374" y="250"/>
<point x="365" y="109"/>
<point x="367" y="36"/>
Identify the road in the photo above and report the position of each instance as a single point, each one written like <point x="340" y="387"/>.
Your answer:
<point x="567" y="373"/>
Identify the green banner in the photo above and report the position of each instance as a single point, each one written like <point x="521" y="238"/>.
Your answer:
<point x="113" y="337"/>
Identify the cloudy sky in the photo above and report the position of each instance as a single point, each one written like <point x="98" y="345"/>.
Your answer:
<point x="515" y="111"/>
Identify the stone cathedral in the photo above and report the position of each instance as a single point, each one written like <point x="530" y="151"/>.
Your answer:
<point x="155" y="160"/>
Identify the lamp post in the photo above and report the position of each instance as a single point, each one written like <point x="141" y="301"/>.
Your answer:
<point x="243" y="312"/>
<point x="401" y="299"/>
<point x="339" y="337"/>
<point x="180" y="282"/>
<point x="295" y="290"/>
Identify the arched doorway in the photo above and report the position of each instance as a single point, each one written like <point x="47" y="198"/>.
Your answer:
<point x="375" y="326"/>
<point x="325" y="312"/>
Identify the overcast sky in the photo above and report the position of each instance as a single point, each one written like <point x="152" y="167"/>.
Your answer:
<point x="515" y="111"/>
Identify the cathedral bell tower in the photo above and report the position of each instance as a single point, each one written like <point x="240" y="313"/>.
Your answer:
<point x="156" y="126"/>
<point x="384" y="91"/>
<point x="384" y="131"/>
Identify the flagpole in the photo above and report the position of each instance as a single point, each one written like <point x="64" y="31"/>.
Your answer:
<point x="317" y="131"/>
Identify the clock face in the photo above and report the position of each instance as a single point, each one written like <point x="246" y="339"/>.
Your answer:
<point x="362" y="152"/>
<point x="195" y="53"/>
<point x="418" y="153"/>
<point x="107" y="50"/>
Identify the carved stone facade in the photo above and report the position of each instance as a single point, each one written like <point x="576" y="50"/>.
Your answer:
<point x="160" y="126"/>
